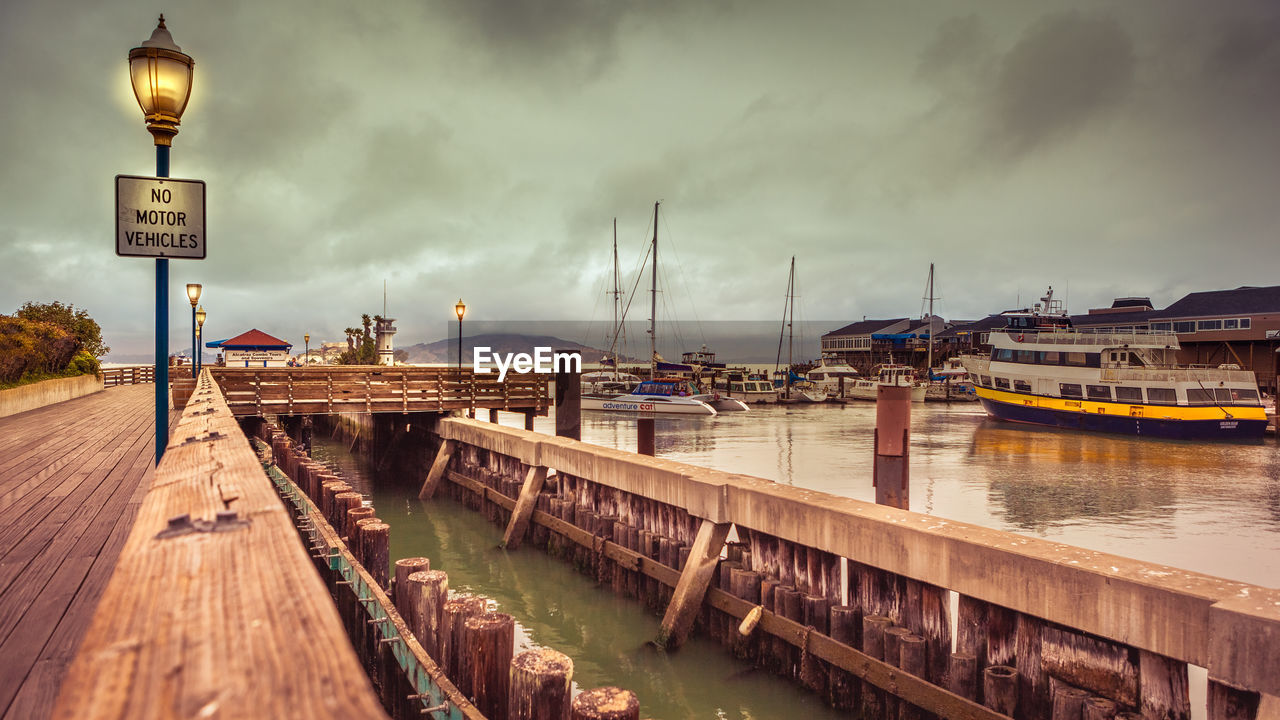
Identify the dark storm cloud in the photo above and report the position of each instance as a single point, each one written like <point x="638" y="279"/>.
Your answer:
<point x="1065" y="71"/>
<point x="957" y="46"/>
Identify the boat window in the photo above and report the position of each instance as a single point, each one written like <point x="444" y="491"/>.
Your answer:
<point x="1002" y="383"/>
<point x="1224" y="395"/>
<point x="986" y="381"/>
<point x="1022" y="386"/>
<point x="1024" y="356"/>
<point x="1245" y="396"/>
<point x="1185" y="326"/>
<point x="1230" y="324"/>
<point x="1099" y="392"/>
<point x="1162" y="396"/>
<point x="1051" y="357"/>
<point x="1196" y="396"/>
<point x="1129" y="394"/>
<point x="1074" y="359"/>
<point x="1069" y="390"/>
<point x="1002" y="355"/>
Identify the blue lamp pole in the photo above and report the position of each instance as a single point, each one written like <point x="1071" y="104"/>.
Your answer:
<point x="161" y="76"/>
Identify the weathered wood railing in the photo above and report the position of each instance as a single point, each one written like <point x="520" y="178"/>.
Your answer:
<point x="131" y="375"/>
<point x="854" y="599"/>
<point x="376" y="389"/>
<point x="214" y="608"/>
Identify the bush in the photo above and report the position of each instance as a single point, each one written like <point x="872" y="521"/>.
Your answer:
<point x="46" y="341"/>
<point x="77" y="323"/>
<point x="84" y="364"/>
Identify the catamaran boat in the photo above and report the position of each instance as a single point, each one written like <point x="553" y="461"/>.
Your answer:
<point x="886" y="374"/>
<point x="832" y="375"/>
<point x="1043" y="371"/>
<point x="665" y="396"/>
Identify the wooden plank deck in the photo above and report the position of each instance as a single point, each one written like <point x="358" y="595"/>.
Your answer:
<point x="72" y="476"/>
<point x="230" y="623"/>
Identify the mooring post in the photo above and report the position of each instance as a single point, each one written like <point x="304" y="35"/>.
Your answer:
<point x="533" y="481"/>
<point x="540" y="683"/>
<point x="686" y="600"/>
<point x="437" y="470"/>
<point x="646" y="440"/>
<point x="568" y="402"/>
<point x="528" y="420"/>
<point x="606" y="703"/>
<point x="489" y="641"/>
<point x="892" y="472"/>
<point x="493" y="416"/>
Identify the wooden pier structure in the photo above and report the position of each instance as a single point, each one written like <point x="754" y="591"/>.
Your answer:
<point x="231" y="594"/>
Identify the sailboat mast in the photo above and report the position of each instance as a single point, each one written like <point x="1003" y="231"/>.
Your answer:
<point x="653" y="306"/>
<point x="928" y="367"/>
<point x="616" y="299"/>
<point x="791" y="303"/>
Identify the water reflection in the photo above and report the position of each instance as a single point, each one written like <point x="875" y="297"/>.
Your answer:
<point x="1211" y="507"/>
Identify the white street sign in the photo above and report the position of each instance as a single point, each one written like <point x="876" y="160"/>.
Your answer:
<point x="159" y="217"/>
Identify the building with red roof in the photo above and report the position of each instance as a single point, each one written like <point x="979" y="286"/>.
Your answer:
<point x="253" y="349"/>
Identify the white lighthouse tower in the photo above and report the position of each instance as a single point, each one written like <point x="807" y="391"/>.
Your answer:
<point x="384" y="331"/>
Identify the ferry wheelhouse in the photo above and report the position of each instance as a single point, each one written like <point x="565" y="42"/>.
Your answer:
<point x="1043" y="371"/>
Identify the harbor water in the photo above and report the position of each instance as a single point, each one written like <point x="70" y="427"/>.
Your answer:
<point x="1213" y="508"/>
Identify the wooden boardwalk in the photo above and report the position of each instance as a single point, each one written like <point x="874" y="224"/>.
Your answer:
<point x="72" y="476"/>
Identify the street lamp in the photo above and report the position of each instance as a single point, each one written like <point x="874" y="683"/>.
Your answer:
<point x="200" y="316"/>
<point x="306" y="354"/>
<point x="193" y="294"/>
<point x="461" y="309"/>
<point x="161" y="76"/>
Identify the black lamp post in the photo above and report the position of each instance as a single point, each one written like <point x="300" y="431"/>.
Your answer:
<point x="193" y="294"/>
<point x="161" y="76"/>
<point x="200" y="316"/>
<point x="306" y="353"/>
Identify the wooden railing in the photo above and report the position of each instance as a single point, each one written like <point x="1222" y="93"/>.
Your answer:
<point x="376" y="389"/>
<point x="131" y="375"/>
<point x="1052" y="615"/>
<point x="215" y="608"/>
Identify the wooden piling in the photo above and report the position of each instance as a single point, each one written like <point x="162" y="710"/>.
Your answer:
<point x="1230" y="703"/>
<point x="890" y="466"/>
<point x="962" y="675"/>
<point x="1033" y="681"/>
<point x="432" y="593"/>
<point x="646" y="438"/>
<point x="912" y="658"/>
<point x="693" y="583"/>
<point x="453" y="654"/>
<point x="354" y="543"/>
<point x="846" y="627"/>
<point x="1000" y="689"/>
<point x="343" y="503"/>
<point x="1164" y="684"/>
<point x="1098" y="708"/>
<point x="873" y="628"/>
<point x="568" y="404"/>
<point x="489" y="639"/>
<point x="745" y="584"/>
<point x="1068" y="703"/>
<point x="404" y="567"/>
<point x="606" y="703"/>
<point x="541" y="681"/>
<point x="375" y="541"/>
<point x="893" y="655"/>
<point x="817" y="615"/>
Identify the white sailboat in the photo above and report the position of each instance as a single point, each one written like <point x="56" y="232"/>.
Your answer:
<point x="794" y="389"/>
<point x="655" y="395"/>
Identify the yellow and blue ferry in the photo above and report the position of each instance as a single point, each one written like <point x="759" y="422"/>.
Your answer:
<point x="1043" y="371"/>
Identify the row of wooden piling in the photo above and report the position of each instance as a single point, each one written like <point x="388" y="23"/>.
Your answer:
<point x="466" y="638"/>
<point x="1014" y="664"/>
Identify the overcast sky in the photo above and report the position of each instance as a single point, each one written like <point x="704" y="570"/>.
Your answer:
<point x="481" y="148"/>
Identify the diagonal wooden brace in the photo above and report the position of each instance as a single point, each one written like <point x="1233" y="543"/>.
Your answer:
<point x="519" y="524"/>
<point x="687" y="598"/>
<point x="437" y="470"/>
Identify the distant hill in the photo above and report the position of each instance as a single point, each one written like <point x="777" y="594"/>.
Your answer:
<point x="446" y="351"/>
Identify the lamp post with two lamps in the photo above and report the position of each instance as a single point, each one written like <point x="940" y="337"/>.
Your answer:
<point x="161" y="76"/>
<point x="193" y="294"/>
<point x="200" y="316"/>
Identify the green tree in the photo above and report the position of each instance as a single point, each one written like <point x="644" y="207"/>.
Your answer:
<point x="77" y="323"/>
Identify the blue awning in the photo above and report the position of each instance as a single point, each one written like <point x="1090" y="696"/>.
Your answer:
<point x="215" y="343"/>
